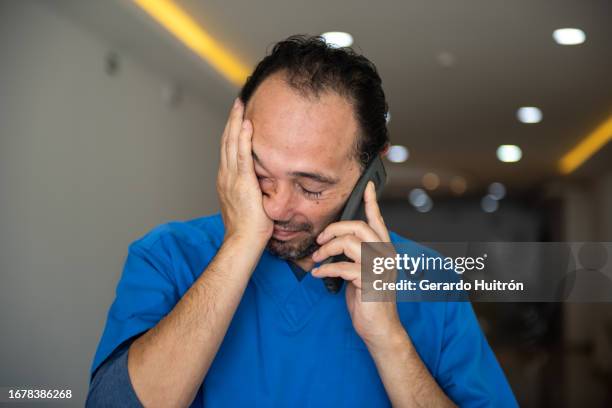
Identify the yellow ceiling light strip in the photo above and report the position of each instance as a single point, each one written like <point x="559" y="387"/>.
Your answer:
<point x="183" y="27"/>
<point x="586" y="148"/>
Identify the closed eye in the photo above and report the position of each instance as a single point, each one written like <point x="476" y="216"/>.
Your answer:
<point x="311" y="194"/>
<point x="262" y="179"/>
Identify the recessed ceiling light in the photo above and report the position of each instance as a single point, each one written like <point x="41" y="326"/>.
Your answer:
<point x="497" y="190"/>
<point x="425" y="207"/>
<point x="489" y="204"/>
<point x="397" y="154"/>
<point x="420" y="200"/>
<point x="338" y="39"/>
<point x="529" y="114"/>
<point x="431" y="181"/>
<point x="569" y="36"/>
<point x="509" y="153"/>
<point x="418" y="197"/>
<point x="458" y="185"/>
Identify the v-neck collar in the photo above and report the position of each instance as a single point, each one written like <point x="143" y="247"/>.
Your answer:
<point x="297" y="270"/>
<point x="296" y="300"/>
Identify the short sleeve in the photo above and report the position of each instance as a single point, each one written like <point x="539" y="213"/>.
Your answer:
<point x="111" y="385"/>
<point x="145" y="294"/>
<point x="468" y="370"/>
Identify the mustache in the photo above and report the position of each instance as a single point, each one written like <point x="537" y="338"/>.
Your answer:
<point x="290" y="226"/>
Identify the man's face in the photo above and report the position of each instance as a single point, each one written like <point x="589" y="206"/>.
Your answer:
<point x="303" y="155"/>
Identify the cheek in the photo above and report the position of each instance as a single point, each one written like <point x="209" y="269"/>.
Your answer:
<point x="323" y="212"/>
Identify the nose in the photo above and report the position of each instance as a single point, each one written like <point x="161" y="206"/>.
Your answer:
<point x="278" y="203"/>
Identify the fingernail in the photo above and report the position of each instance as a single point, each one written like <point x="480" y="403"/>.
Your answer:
<point x="314" y="270"/>
<point x="245" y="124"/>
<point x="236" y="102"/>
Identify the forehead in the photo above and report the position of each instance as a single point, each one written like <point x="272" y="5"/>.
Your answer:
<point x="313" y="132"/>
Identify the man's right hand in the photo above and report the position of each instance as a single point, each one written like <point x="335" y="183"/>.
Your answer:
<point x="237" y="186"/>
<point x="163" y="374"/>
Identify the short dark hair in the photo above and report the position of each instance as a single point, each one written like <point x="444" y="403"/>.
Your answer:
<point x="311" y="66"/>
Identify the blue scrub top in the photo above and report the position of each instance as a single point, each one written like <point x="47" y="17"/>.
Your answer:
<point x="291" y="342"/>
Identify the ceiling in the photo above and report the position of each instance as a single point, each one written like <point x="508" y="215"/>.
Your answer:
<point x="452" y="118"/>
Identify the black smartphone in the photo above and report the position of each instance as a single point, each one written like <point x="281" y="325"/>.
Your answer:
<point x="354" y="209"/>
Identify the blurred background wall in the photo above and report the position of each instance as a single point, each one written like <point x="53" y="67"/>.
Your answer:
<point x="110" y="126"/>
<point x="91" y="157"/>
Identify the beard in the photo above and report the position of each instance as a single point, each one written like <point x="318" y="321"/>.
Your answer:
<point x="288" y="250"/>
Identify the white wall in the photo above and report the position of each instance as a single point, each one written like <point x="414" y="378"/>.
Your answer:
<point x="88" y="163"/>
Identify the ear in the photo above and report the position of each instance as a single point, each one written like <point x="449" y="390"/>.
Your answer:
<point x="385" y="149"/>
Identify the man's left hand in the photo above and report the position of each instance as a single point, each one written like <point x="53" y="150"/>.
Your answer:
<point x="373" y="321"/>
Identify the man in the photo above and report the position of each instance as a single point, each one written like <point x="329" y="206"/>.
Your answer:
<point x="221" y="311"/>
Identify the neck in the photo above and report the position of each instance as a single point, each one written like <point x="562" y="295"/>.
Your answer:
<point x="305" y="263"/>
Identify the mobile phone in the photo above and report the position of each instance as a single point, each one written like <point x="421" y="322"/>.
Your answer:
<point x="354" y="209"/>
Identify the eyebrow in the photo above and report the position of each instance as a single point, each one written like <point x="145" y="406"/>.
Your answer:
<point x="321" y="178"/>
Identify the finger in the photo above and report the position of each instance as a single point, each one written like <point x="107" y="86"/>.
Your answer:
<point x="224" y="137"/>
<point x="358" y="228"/>
<point x="245" y="155"/>
<point x="348" y="271"/>
<point x="348" y="245"/>
<point x="222" y="154"/>
<point x="375" y="219"/>
<point x="233" y="133"/>
<point x="229" y="114"/>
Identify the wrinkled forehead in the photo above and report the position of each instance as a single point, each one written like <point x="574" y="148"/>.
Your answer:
<point x="305" y="130"/>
